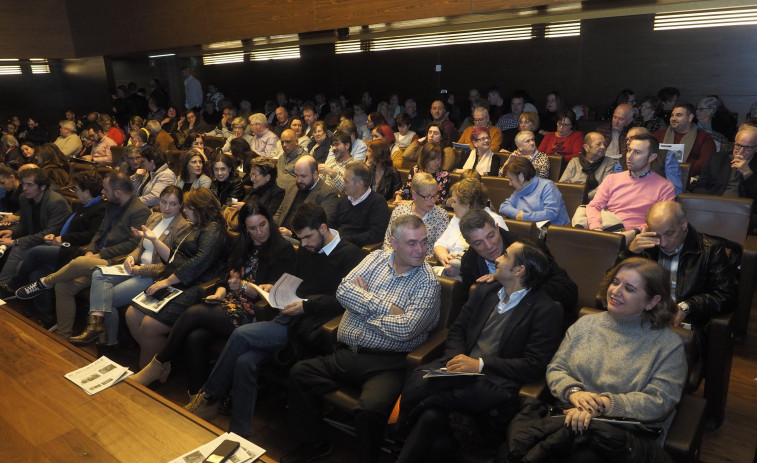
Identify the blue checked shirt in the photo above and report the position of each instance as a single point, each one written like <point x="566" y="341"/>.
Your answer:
<point x="366" y="321"/>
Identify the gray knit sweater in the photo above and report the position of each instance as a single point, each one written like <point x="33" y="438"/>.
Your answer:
<point x="641" y="370"/>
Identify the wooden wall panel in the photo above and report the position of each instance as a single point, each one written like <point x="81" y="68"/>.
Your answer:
<point x="35" y="29"/>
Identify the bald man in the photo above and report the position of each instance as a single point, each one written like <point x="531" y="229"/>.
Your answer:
<point x="702" y="278"/>
<point x="292" y="151"/>
<point x="616" y="131"/>
<point x="307" y="188"/>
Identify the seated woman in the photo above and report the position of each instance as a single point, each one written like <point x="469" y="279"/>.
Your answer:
<point x="535" y="199"/>
<point x="261" y="256"/>
<point x="242" y="154"/>
<point x="405" y="137"/>
<point x="481" y="159"/>
<point x="566" y="142"/>
<point x="467" y="194"/>
<point x="384" y="132"/>
<point x="25" y="155"/>
<point x="650" y="115"/>
<point x="264" y="189"/>
<point x="424" y="192"/>
<point x="238" y="130"/>
<point x="385" y="180"/>
<point x="194" y="260"/>
<point x="226" y="185"/>
<point x="527" y="149"/>
<point x="706" y="109"/>
<point x="430" y="161"/>
<point x="321" y="144"/>
<point x="436" y="134"/>
<point x="527" y="120"/>
<point x="77" y="232"/>
<point x="53" y="162"/>
<point x="171" y="122"/>
<point x="194" y="141"/>
<point x="640" y="378"/>
<point x="108" y="292"/>
<point x="192" y="176"/>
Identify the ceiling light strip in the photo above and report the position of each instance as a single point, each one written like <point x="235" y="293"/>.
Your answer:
<point x="7" y="70"/>
<point x="347" y="46"/>
<point x="275" y="53"/>
<point x="223" y="58"/>
<point x="703" y="19"/>
<point x="452" y="38"/>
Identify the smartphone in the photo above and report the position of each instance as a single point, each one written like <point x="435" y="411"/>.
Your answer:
<point x="222" y="452"/>
<point x="161" y="293"/>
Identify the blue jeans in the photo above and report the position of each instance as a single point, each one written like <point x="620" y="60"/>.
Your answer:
<point x="112" y="291"/>
<point x="238" y="365"/>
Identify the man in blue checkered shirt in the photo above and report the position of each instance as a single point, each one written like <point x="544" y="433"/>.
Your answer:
<point x="391" y="302"/>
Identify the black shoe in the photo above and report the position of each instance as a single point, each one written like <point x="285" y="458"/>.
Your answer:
<point x="31" y="290"/>
<point x="307" y="453"/>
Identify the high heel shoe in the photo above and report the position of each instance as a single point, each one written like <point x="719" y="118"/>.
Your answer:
<point x="154" y="371"/>
<point x="95" y="330"/>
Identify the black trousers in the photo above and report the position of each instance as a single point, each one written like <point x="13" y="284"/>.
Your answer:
<point x="380" y="377"/>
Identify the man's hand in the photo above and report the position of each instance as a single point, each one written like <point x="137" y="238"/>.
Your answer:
<point x="742" y="165"/>
<point x="360" y="283"/>
<point x="326" y="170"/>
<point x="7" y="242"/>
<point x="294" y="308"/>
<point x="488" y="278"/>
<point x="644" y="240"/>
<point x="463" y="364"/>
<point x="519" y="216"/>
<point x="92" y="254"/>
<point x="5" y="233"/>
<point x="444" y="259"/>
<point x="680" y="316"/>
<point x="396" y="310"/>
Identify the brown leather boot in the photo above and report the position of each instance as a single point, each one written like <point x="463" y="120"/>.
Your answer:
<point x="95" y="330"/>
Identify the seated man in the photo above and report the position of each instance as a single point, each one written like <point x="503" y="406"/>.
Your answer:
<point x="291" y="153"/>
<point x="391" y="302"/>
<point x="154" y="175"/>
<point x="43" y="212"/>
<point x="362" y="214"/>
<point x="10" y="183"/>
<point x="323" y="259"/>
<point x="101" y="144"/>
<point x="732" y="174"/>
<point x="698" y="144"/>
<point x="68" y="141"/>
<point x="535" y="199"/>
<point x="161" y="139"/>
<point x="264" y="141"/>
<point x="591" y="166"/>
<point x="488" y="242"/>
<point x="114" y="238"/>
<point x="481" y="119"/>
<point x="624" y="197"/>
<point x="703" y="279"/>
<point x="307" y="189"/>
<point x="507" y="331"/>
<point x="332" y="171"/>
<point x="665" y="166"/>
<point x="616" y="131"/>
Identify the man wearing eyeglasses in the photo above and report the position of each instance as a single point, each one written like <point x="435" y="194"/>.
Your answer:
<point x="698" y="144"/>
<point x="481" y="119"/>
<point x="732" y="174"/>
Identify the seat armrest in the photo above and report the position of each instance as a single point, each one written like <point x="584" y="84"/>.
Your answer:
<point x="430" y="349"/>
<point x="536" y="390"/>
<point x="684" y="439"/>
<point x="204" y="290"/>
<point x="331" y="327"/>
<point x="368" y="248"/>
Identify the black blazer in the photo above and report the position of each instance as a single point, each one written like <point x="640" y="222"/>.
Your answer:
<point x="529" y="341"/>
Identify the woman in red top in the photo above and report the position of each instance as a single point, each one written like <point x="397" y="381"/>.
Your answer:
<point x="565" y="141"/>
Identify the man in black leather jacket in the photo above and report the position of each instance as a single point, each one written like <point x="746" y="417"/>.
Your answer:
<point x="703" y="268"/>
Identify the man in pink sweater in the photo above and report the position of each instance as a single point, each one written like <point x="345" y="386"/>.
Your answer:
<point x="624" y="197"/>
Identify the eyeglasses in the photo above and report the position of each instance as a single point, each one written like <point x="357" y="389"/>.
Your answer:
<point x="739" y="146"/>
<point x="484" y="138"/>
<point x="255" y="175"/>
<point x="427" y="197"/>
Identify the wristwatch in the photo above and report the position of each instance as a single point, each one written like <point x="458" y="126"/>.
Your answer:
<point x="683" y="306"/>
<point x="244" y="286"/>
<point x="572" y="391"/>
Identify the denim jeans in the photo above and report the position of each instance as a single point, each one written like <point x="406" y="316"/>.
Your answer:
<point x="238" y="365"/>
<point x="112" y="291"/>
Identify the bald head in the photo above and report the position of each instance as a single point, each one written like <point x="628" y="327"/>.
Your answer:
<point x="289" y="141"/>
<point x="595" y="146"/>
<point x="622" y="116"/>
<point x="668" y="220"/>
<point x="306" y="172"/>
<point x="633" y="132"/>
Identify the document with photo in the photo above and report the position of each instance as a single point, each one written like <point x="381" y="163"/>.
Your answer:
<point x="98" y="375"/>
<point x="247" y="451"/>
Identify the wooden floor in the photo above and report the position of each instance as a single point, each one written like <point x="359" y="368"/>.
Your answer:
<point x="735" y="441"/>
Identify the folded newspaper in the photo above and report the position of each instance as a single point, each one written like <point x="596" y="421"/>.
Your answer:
<point x="153" y="304"/>
<point x="112" y="269"/>
<point x="283" y="292"/>
<point x="98" y="375"/>
<point x="247" y="451"/>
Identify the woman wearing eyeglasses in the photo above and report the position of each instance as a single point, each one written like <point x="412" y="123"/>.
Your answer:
<point x="430" y="161"/>
<point x="481" y="157"/>
<point x="566" y="141"/>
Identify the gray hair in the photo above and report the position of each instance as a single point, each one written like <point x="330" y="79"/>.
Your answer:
<point x="153" y="126"/>
<point x="521" y="136"/>
<point x="68" y="125"/>
<point x="407" y="221"/>
<point x="258" y="118"/>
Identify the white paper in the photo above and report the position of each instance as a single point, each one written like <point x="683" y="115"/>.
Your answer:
<point x="677" y="148"/>
<point x="112" y="269"/>
<point x="283" y="292"/>
<point x="246" y="452"/>
<point x="150" y="303"/>
<point x="444" y="373"/>
<point x="98" y="375"/>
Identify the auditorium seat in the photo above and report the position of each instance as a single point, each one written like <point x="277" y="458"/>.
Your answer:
<point x="556" y="167"/>
<point x="213" y="142"/>
<point x="573" y="195"/>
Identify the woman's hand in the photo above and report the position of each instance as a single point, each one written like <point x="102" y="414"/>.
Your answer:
<point x="129" y="265"/>
<point x="235" y="281"/>
<point x="157" y="286"/>
<point x="145" y="233"/>
<point x="578" y="420"/>
<point x="584" y="400"/>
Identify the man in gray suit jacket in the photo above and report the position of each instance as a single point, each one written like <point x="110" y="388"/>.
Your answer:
<point x="307" y="189"/>
<point x="113" y="239"/>
<point x="43" y="212"/>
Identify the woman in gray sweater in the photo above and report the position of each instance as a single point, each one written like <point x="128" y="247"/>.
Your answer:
<point x="626" y="362"/>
